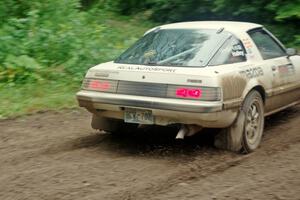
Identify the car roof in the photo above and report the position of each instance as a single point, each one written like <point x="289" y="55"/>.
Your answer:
<point x="231" y="26"/>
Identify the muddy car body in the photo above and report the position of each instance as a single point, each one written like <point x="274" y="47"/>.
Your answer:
<point x="199" y="74"/>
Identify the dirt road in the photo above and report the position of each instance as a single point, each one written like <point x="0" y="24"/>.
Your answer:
<point x="56" y="155"/>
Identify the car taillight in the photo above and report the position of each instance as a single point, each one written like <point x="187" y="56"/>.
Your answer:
<point x="188" y="93"/>
<point x="195" y="93"/>
<point x="100" y="85"/>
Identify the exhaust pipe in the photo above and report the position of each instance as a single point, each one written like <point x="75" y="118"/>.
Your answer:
<point x="183" y="131"/>
<point x="188" y="130"/>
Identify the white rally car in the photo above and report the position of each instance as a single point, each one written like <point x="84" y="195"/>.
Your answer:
<point x="213" y="74"/>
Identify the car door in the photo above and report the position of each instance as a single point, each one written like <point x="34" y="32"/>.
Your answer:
<point x="283" y="70"/>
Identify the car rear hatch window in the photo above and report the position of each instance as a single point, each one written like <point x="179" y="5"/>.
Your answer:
<point x="175" y="47"/>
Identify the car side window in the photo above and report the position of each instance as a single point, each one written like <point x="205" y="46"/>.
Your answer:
<point x="266" y="45"/>
<point x="232" y="51"/>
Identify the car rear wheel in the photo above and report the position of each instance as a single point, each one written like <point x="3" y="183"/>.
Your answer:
<point x="245" y="134"/>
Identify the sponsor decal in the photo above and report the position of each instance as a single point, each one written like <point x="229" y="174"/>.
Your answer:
<point x="194" y="81"/>
<point x="247" y="43"/>
<point x="146" y="68"/>
<point x="248" y="46"/>
<point x="286" y="70"/>
<point x="101" y="74"/>
<point x="237" y="50"/>
<point x="252" y="72"/>
<point x="104" y="73"/>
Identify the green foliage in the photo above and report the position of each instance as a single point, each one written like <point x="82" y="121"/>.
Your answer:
<point x="133" y="6"/>
<point x="57" y="34"/>
<point x="19" y="69"/>
<point x="279" y="15"/>
<point x="46" y="46"/>
<point x="285" y="9"/>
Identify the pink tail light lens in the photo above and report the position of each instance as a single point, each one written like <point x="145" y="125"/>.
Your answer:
<point x="194" y="93"/>
<point x="188" y="93"/>
<point x="100" y="85"/>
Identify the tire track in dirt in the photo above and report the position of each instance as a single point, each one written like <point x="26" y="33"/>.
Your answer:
<point x="194" y="171"/>
<point x="56" y="155"/>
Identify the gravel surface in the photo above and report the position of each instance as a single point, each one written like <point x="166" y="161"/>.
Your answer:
<point x="56" y="155"/>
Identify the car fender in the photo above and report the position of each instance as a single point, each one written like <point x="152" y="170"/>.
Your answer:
<point x="254" y="84"/>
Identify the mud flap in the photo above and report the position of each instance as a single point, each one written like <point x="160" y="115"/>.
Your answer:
<point x="231" y="138"/>
<point x="101" y="123"/>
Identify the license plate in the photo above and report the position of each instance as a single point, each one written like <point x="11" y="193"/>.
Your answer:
<point x="138" y="116"/>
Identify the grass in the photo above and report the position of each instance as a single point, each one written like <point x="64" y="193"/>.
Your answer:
<point x="30" y="98"/>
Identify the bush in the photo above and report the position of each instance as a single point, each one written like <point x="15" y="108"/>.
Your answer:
<point x="58" y="36"/>
<point x="19" y="69"/>
<point x="283" y="17"/>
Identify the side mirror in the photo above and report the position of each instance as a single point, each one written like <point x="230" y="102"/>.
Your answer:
<point x="291" y="51"/>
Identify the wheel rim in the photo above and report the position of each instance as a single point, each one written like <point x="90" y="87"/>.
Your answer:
<point x="253" y="126"/>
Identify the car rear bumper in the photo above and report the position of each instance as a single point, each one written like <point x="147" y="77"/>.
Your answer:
<point x="166" y="111"/>
<point x="150" y="102"/>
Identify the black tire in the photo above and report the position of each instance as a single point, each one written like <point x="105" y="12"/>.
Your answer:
<point x="255" y="120"/>
<point x="245" y="134"/>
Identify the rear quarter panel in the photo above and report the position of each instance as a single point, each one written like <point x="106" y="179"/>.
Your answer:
<point x="237" y="80"/>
